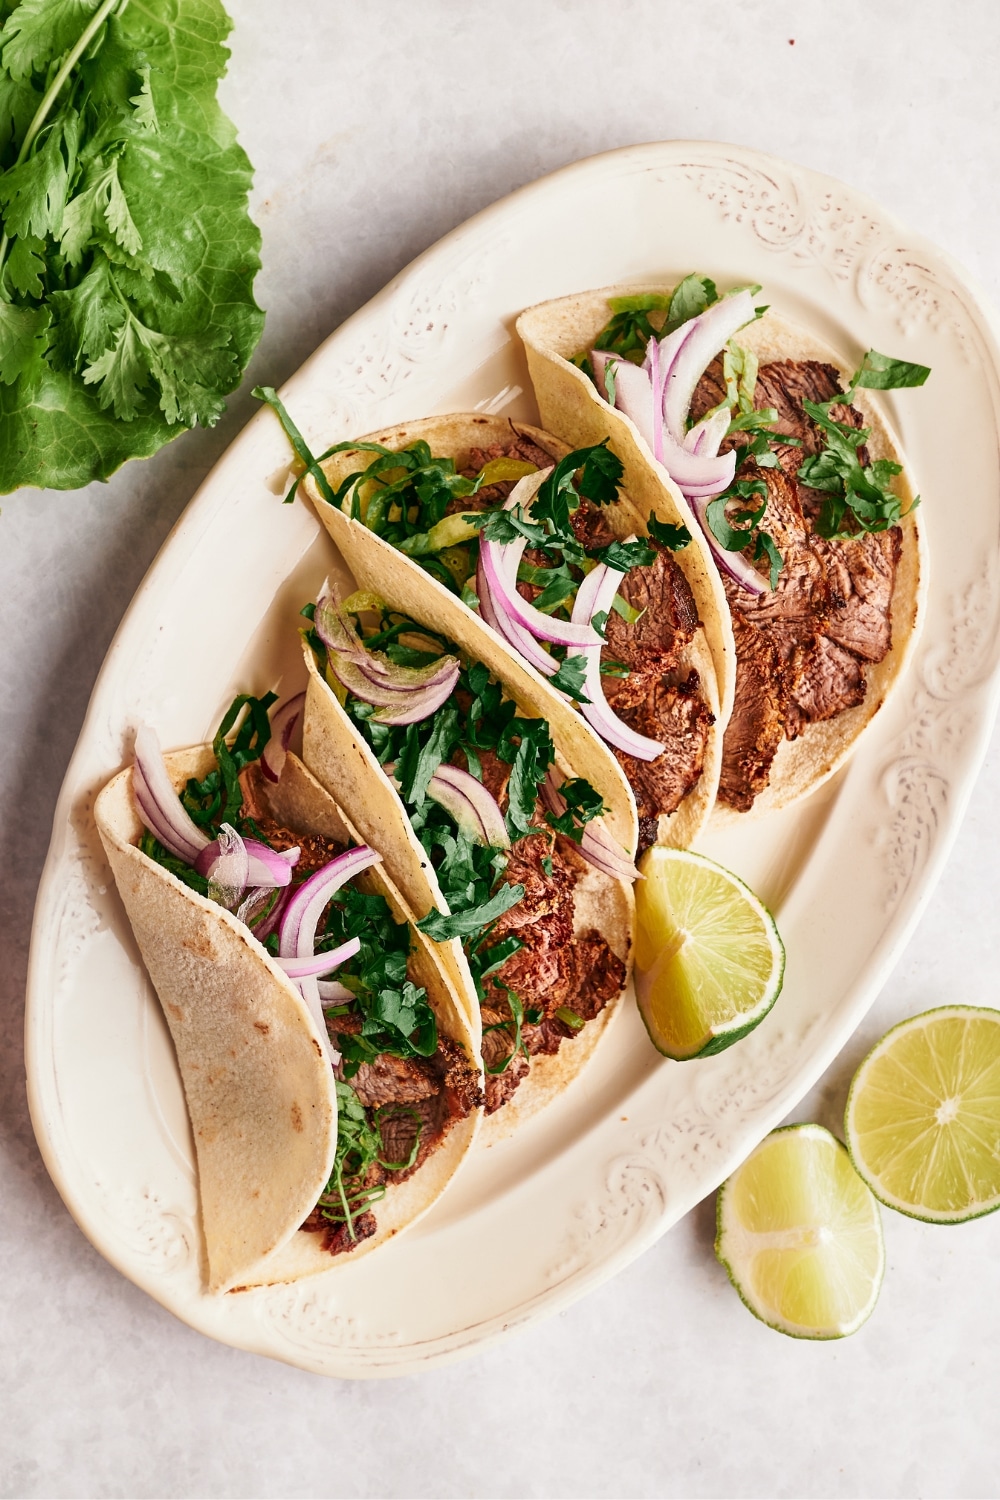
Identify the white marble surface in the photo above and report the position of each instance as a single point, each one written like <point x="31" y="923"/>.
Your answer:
<point x="374" y="129"/>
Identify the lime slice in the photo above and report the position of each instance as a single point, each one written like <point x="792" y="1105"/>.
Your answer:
<point x="708" y="958"/>
<point x="800" y="1235"/>
<point x="923" y="1115"/>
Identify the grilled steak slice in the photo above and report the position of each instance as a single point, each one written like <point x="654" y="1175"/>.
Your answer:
<point x="336" y="1238"/>
<point x="494" y="494"/>
<point x="668" y="622"/>
<point x="590" y="527"/>
<point x="861" y="574"/>
<point x="393" y="1080"/>
<point x="757" y="724"/>
<point x="678" y="717"/>
<point x="827" y="680"/>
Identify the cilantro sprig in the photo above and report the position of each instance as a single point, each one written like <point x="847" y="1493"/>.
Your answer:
<point x="119" y="326"/>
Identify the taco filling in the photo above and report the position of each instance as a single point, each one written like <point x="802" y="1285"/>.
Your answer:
<point x="804" y="527"/>
<point x="611" y="621"/>
<point x="802" y="647"/>
<point x="511" y="842"/>
<point x="400" y="1084"/>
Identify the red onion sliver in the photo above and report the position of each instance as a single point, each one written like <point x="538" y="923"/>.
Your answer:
<point x="229" y="871"/>
<point x="710" y="332"/>
<point x="312" y="965"/>
<point x="514" y="634"/>
<point x="177" y="831"/>
<point x="595" y="594"/>
<point x="705" y="436"/>
<point x="596" y="844"/>
<point x="297" y="929"/>
<point x="332" y="992"/>
<point x="400" y="705"/>
<point x="473" y="807"/>
<point x="283" y="722"/>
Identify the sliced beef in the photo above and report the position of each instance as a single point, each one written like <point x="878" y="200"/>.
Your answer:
<point x="757" y="724"/>
<point x="520" y="447"/>
<point x="679" y="717"/>
<point x="336" y="1237"/>
<point x="861" y="575"/>
<point x="827" y="679"/>
<point x="668" y="621"/>
<point x="590" y="526"/>
<point x="392" y="1080"/>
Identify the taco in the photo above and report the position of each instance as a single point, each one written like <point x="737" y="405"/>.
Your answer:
<point x="328" y="1113"/>
<point x="505" y="517"/>
<point x="776" y="453"/>
<point x="505" y="848"/>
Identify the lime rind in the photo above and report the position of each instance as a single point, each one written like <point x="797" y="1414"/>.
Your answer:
<point x="733" y="1241"/>
<point x="862" y="1079"/>
<point x="718" y="1034"/>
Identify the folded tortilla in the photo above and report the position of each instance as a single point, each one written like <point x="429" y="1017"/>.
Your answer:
<point x="340" y="758"/>
<point x="455" y="436"/>
<point x="553" y="332"/>
<point x="259" y="1088"/>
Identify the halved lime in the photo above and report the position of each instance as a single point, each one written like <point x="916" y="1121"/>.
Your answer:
<point x="923" y="1115"/>
<point x="708" y="959"/>
<point x="800" y="1235"/>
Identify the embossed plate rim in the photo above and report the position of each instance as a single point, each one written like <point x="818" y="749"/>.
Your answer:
<point x="631" y="1183"/>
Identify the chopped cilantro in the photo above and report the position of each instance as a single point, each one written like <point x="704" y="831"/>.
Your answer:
<point x="674" y="537"/>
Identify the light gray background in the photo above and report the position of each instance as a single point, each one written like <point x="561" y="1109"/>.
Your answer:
<point x="375" y="128"/>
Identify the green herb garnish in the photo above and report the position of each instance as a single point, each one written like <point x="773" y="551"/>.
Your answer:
<point x="127" y="257"/>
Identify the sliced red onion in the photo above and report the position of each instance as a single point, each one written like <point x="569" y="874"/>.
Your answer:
<point x="311" y="966"/>
<point x="710" y="332"/>
<point x="595" y="594"/>
<point x="515" y="635"/>
<point x="706" y="436"/>
<point x="159" y="803"/>
<point x="332" y="992"/>
<point x="399" y="705"/>
<point x="297" y="929"/>
<point x="283" y="722"/>
<point x="500" y="563"/>
<point x="636" y="398"/>
<point x="596" y="844"/>
<point x="473" y="807"/>
<point x="265" y="867"/>
<point x="226" y="865"/>
<point x="268" y="924"/>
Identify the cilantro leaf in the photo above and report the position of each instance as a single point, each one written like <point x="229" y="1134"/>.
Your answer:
<point x="625" y="555"/>
<point x="123" y="196"/>
<point x="39" y="31"/>
<point x="879" y="372"/>
<point x="465" y="923"/>
<point x="674" y="537"/>
<point x="569" y="677"/>
<point x="691" y="298"/>
<point x="23" y="337"/>
<point x="583" y="803"/>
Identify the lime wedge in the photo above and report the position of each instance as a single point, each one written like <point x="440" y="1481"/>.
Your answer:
<point x="800" y="1235"/>
<point x="923" y="1115"/>
<point x="708" y="958"/>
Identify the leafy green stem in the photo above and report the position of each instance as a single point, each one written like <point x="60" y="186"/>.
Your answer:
<point x="53" y="91"/>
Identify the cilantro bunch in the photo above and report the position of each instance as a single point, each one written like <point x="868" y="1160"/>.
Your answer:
<point x="127" y="256"/>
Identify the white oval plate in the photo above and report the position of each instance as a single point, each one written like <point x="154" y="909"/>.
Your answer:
<point x="537" y="1221"/>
